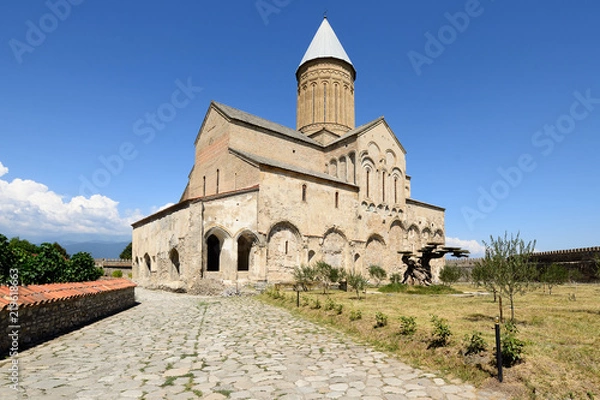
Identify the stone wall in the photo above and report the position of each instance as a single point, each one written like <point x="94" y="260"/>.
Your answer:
<point x="32" y="314"/>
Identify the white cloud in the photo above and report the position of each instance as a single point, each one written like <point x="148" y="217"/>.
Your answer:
<point x="154" y="210"/>
<point x="31" y="210"/>
<point x="3" y="170"/>
<point x="475" y="248"/>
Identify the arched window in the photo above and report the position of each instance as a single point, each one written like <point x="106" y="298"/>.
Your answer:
<point x="368" y="182"/>
<point x="314" y="98"/>
<point x="204" y="186"/>
<point x="217" y="181"/>
<point x="324" y="102"/>
<point x="285" y="250"/>
<point x="395" y="190"/>
<point x="335" y="99"/>
<point x="148" y="262"/>
<point x="311" y="254"/>
<point x="337" y="199"/>
<point x="174" y="257"/>
<point x="383" y="186"/>
<point x="304" y="192"/>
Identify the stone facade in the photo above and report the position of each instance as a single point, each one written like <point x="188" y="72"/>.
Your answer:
<point x="264" y="198"/>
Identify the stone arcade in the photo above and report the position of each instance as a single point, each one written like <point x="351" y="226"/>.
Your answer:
<point x="263" y="198"/>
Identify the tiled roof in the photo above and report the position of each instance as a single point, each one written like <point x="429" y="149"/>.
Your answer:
<point x="37" y="294"/>
<point x="288" y="167"/>
<point x="238" y="115"/>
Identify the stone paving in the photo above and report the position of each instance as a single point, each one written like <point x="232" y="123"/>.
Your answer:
<point x="179" y="347"/>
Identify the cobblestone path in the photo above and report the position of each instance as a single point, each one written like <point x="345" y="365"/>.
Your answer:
<point x="175" y="346"/>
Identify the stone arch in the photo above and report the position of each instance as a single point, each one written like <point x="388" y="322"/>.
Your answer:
<point x="284" y="246"/>
<point x="334" y="247"/>
<point x="333" y="169"/>
<point x="374" y="251"/>
<point x="148" y="262"/>
<point x="374" y="150"/>
<point x="390" y="158"/>
<point x="414" y="238"/>
<point x="352" y="167"/>
<point x="174" y="257"/>
<point x="357" y="263"/>
<point x="214" y="239"/>
<point x="343" y="169"/>
<point x="246" y="242"/>
<point x="396" y="236"/>
<point x="438" y="236"/>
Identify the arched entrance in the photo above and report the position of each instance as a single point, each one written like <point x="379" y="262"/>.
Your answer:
<point x="244" y="253"/>
<point x="213" y="253"/>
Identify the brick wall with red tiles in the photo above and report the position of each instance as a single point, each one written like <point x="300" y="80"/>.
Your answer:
<point x="32" y="314"/>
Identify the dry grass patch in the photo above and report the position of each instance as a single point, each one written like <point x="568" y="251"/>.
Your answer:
<point x="562" y="352"/>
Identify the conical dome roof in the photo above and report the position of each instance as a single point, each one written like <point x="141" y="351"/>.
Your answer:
<point x="325" y="44"/>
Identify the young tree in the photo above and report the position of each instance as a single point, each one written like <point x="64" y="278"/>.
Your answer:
<point x="81" y="268"/>
<point x="450" y="274"/>
<point x="508" y="264"/>
<point x="304" y="276"/>
<point x="553" y="275"/>
<point x="377" y="273"/>
<point x="357" y="282"/>
<point x="126" y="253"/>
<point x="327" y="274"/>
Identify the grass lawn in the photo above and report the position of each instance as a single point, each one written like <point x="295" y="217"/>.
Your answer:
<point x="561" y="331"/>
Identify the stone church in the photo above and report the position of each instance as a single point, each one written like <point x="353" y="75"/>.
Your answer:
<point x="263" y="198"/>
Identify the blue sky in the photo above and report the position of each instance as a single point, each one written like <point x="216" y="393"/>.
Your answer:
<point x="496" y="102"/>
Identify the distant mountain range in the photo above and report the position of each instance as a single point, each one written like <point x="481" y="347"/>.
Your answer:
<point x="97" y="249"/>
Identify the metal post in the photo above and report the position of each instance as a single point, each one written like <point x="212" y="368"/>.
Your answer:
<point x="297" y="297"/>
<point x="498" y="350"/>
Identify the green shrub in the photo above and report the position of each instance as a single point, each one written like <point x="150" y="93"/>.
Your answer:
<point x="408" y="326"/>
<point x="316" y="304"/>
<point x="450" y="274"/>
<point x="395" y="278"/>
<point x="329" y="304"/>
<point x="338" y="308"/>
<point x="355" y="315"/>
<point x="381" y="320"/>
<point x="512" y="348"/>
<point x="424" y="290"/>
<point x="441" y="332"/>
<point x="474" y="343"/>
<point x="394" y="287"/>
<point x="274" y="293"/>
<point x="377" y="273"/>
<point x="117" y="274"/>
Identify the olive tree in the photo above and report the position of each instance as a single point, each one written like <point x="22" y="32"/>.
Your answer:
<point x="508" y="267"/>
